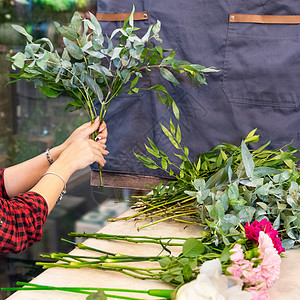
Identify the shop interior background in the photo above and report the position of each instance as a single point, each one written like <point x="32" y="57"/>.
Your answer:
<point x="30" y="123"/>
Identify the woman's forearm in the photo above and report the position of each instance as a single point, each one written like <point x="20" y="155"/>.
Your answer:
<point x="53" y="182"/>
<point x="22" y="177"/>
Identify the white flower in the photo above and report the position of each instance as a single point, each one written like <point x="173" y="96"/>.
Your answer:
<point x="212" y="285"/>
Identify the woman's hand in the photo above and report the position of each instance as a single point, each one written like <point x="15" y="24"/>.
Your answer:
<point x="78" y="151"/>
<point x="81" y="153"/>
<point x="85" y="131"/>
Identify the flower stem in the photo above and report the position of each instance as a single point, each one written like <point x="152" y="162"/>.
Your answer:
<point x="90" y="290"/>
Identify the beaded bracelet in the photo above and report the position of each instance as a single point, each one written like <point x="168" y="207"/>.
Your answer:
<point x="47" y="152"/>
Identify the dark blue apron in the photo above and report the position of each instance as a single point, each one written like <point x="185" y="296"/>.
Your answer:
<point x="258" y="85"/>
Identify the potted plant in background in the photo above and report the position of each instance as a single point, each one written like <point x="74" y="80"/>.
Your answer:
<point x="91" y="67"/>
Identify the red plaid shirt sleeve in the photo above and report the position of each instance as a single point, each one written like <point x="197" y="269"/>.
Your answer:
<point x="21" y="219"/>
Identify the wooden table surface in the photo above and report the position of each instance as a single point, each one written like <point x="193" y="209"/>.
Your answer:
<point x="287" y="287"/>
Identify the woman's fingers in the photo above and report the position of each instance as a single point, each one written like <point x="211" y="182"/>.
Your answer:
<point x="102" y="136"/>
<point x="99" y="148"/>
<point x="92" y="127"/>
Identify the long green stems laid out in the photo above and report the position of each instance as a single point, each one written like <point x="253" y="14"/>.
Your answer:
<point x="224" y="187"/>
<point x="93" y="69"/>
<point x="202" y="268"/>
<point x="168" y="268"/>
<point x="95" y="293"/>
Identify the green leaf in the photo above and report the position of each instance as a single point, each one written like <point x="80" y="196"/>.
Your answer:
<point x="66" y="32"/>
<point x="164" y="262"/>
<point x="76" y="21"/>
<point x="172" y="127"/>
<point x="237" y="201"/>
<point x="175" y="110"/>
<point x="154" y="147"/>
<point x="166" y="131"/>
<point x="31" y="49"/>
<point x="159" y="50"/>
<point x="186" y="151"/>
<point x="216" y="178"/>
<point x="101" y="69"/>
<point x="287" y="244"/>
<point x="232" y="219"/>
<point x="154" y="153"/>
<point x="225" y="255"/>
<point x="164" y="164"/>
<point x="199" y="184"/>
<point x="168" y="76"/>
<point x="49" y="92"/>
<point x="289" y="163"/>
<point x="156" y="27"/>
<point x="192" y="248"/>
<point x="97" y="42"/>
<point x="134" y="81"/>
<point x="247" y="160"/>
<point x="178" y="135"/>
<point x="21" y="30"/>
<point x="158" y="87"/>
<point x="217" y="212"/>
<point x="19" y="60"/>
<point x="131" y="19"/>
<point x="263" y="190"/>
<point x="95" y="22"/>
<point x="148" y="162"/>
<point x="264" y="171"/>
<point x="73" y="49"/>
<point x="276" y="223"/>
<point x="198" y="166"/>
<point x="246" y="214"/>
<point x="187" y="273"/>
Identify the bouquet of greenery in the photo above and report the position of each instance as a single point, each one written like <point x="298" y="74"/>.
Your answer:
<point x="224" y="187"/>
<point x="91" y="68"/>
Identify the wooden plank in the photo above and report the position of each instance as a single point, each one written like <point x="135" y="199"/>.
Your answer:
<point x="125" y="181"/>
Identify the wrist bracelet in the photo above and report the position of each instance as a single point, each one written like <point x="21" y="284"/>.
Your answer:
<point x="49" y="158"/>
<point x="64" y="189"/>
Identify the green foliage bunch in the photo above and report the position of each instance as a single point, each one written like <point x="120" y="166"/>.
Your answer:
<point x="226" y="187"/>
<point x="93" y="68"/>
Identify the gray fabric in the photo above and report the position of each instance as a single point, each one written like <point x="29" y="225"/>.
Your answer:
<point x="257" y="86"/>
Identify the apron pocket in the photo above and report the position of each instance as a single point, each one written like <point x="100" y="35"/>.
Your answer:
<point x="262" y="61"/>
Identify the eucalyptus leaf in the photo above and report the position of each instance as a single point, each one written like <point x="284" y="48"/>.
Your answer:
<point x="246" y="214"/>
<point x="247" y="160"/>
<point x="66" y="32"/>
<point x="217" y="212"/>
<point x="19" y="60"/>
<point x="94" y="87"/>
<point x="73" y="49"/>
<point x="21" y="30"/>
<point x="287" y="244"/>
<point x="76" y="21"/>
<point x="95" y="22"/>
